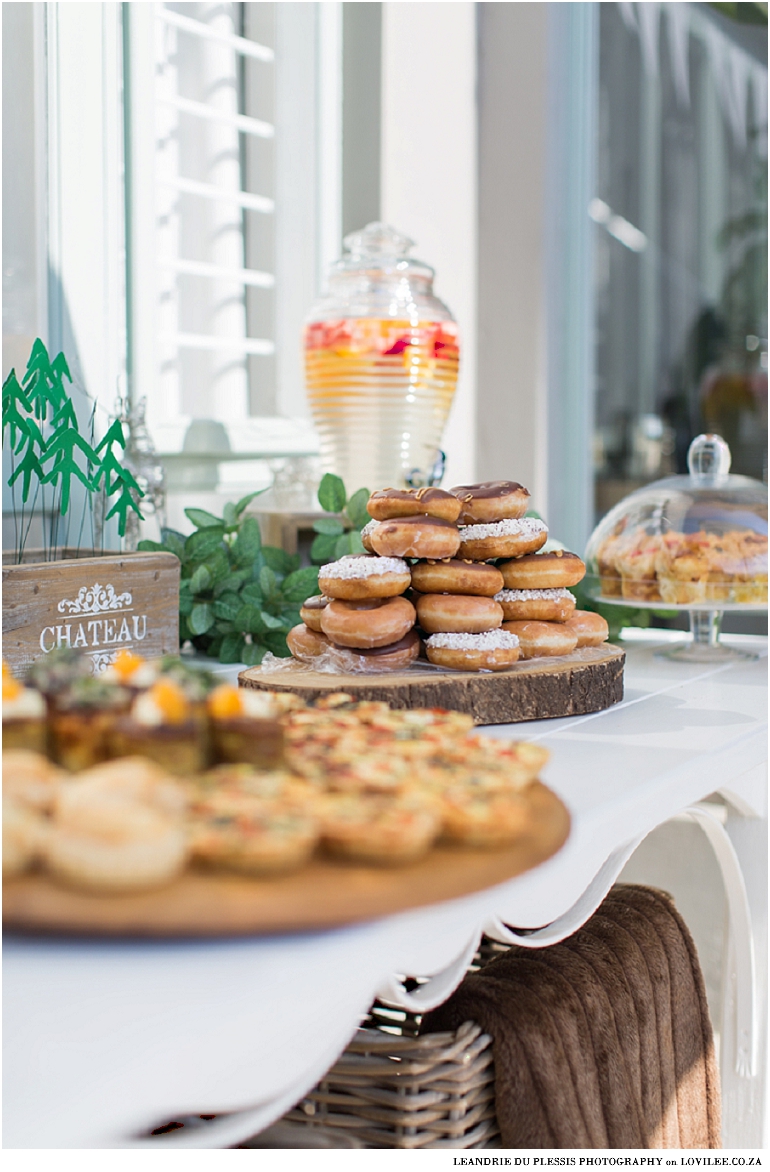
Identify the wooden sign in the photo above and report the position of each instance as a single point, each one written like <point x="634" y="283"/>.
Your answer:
<point x="98" y="605"/>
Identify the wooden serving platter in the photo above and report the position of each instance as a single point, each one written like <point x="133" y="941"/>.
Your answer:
<point x="325" y="894"/>
<point x="588" y="680"/>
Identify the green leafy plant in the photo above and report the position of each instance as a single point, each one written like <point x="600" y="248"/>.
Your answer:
<point x="340" y="534"/>
<point x="42" y="427"/>
<point x="238" y="598"/>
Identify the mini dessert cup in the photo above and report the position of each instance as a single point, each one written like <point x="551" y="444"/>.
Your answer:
<point x="162" y="726"/>
<point x="55" y="672"/>
<point x="244" y="726"/>
<point x="24" y="724"/>
<point x="81" y="720"/>
<point x="133" y="672"/>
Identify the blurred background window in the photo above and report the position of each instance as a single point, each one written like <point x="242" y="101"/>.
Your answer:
<point x="680" y="240"/>
<point x="233" y="208"/>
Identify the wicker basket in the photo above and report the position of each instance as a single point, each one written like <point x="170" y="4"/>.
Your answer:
<point x="394" y="1089"/>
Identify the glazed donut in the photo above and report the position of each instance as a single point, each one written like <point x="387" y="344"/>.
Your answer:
<point x="415" y="537"/>
<point x="490" y="651"/>
<point x="538" y="638"/>
<point x="389" y="503"/>
<point x="394" y="657"/>
<point x="494" y="500"/>
<point x="366" y="535"/>
<point x="555" y="606"/>
<point x="543" y="571"/>
<point x="503" y="539"/>
<point x="311" y="610"/>
<point x="453" y="576"/>
<point x="591" y="629"/>
<point x="360" y="576"/>
<point x="306" y="644"/>
<point x="372" y="622"/>
<point x="458" y="612"/>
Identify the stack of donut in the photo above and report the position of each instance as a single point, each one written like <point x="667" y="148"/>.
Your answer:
<point x="361" y="621"/>
<point x="474" y="585"/>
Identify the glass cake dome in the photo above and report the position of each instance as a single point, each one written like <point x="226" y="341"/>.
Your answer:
<point x="695" y="543"/>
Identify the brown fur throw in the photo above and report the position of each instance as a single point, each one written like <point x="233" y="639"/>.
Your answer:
<point x="604" y="1040"/>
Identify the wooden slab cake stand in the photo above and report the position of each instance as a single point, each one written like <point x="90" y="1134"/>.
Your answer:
<point x="324" y="894"/>
<point x="588" y="680"/>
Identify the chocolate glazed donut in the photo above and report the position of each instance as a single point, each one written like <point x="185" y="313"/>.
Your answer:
<point x="391" y="658"/>
<point x="493" y="500"/>
<point x="408" y="502"/>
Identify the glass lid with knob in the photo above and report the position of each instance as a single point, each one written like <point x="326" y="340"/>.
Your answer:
<point x="696" y="543"/>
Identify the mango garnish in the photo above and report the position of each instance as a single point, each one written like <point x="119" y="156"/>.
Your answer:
<point x="126" y="663"/>
<point x="170" y="700"/>
<point x="11" y="687"/>
<point x="225" y="702"/>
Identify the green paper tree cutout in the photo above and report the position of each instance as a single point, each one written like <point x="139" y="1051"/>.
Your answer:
<point x="41" y="400"/>
<point x="124" y="482"/>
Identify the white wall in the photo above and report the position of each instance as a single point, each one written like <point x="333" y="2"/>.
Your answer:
<point x="429" y="175"/>
<point x="512" y="439"/>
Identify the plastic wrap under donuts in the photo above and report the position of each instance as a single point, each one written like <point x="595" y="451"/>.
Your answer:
<point x="328" y="664"/>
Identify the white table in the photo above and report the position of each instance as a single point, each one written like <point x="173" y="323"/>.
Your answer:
<point x="105" y="1040"/>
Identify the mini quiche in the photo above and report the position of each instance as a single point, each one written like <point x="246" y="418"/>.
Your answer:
<point x="388" y="830"/>
<point x="247" y="833"/>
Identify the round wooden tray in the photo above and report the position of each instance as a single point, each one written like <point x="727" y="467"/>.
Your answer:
<point x="588" y="680"/>
<point x="324" y="894"/>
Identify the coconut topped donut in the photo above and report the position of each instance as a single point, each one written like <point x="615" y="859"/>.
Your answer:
<point x="493" y="500"/>
<point x="410" y="502"/>
<point x="509" y="538"/>
<point x="543" y="571"/>
<point x="546" y="605"/>
<point x="491" y="650"/>
<point x="360" y="576"/>
<point x="366" y="535"/>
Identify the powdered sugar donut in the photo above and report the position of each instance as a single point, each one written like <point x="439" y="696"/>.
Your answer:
<point x="374" y="622"/>
<point x="493" y="650"/>
<point x="411" y="502"/>
<point x="538" y="638"/>
<point x="503" y="539"/>
<point x="458" y="612"/>
<point x="360" y="576"/>
<point x="554" y="606"/>
<point x="494" y="500"/>
<point x="311" y="610"/>
<point x="591" y="629"/>
<point x="543" y="571"/>
<point x="415" y="537"/>
<point x="456" y="576"/>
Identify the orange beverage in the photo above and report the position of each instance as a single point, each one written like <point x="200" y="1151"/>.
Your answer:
<point x="380" y="390"/>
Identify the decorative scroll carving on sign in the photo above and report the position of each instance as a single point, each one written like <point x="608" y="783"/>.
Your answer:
<point x="95" y="599"/>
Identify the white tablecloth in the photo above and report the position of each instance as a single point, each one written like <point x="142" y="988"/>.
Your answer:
<point x="105" y="1040"/>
